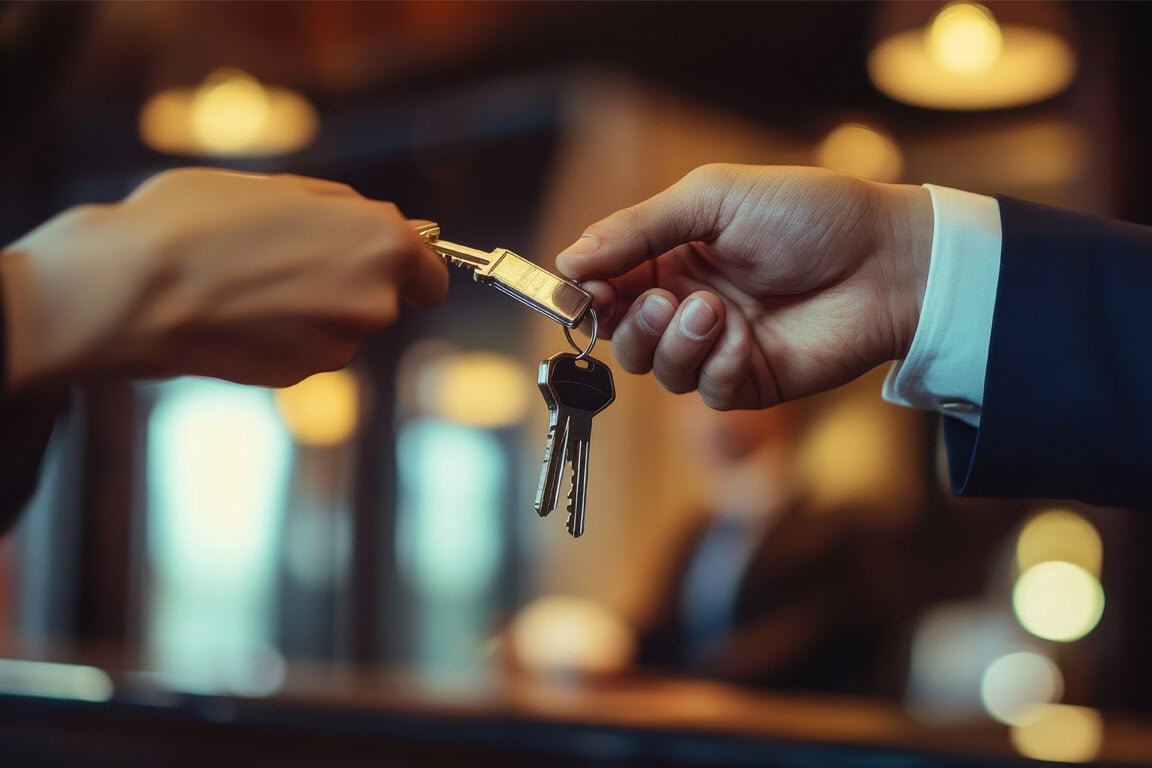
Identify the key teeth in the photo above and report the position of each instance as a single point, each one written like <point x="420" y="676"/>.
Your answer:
<point x="570" y="523"/>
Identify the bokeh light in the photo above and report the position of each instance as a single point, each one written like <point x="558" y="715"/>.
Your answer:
<point x="568" y="634"/>
<point x="230" y="114"/>
<point x="964" y="38"/>
<point x="479" y="389"/>
<point x="52" y="680"/>
<point x="1015" y="684"/>
<point x="1060" y="732"/>
<point x="322" y="410"/>
<point x="861" y="150"/>
<point x="962" y="60"/>
<point x="1058" y="601"/>
<point x="1059" y="534"/>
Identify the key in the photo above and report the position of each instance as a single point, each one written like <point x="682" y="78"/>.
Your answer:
<point x="548" y="489"/>
<point x="580" y="389"/>
<point x="551" y="295"/>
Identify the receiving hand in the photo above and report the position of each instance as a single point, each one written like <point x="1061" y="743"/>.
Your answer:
<point x="256" y="279"/>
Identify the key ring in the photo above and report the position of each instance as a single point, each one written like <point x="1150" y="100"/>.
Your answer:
<point x="582" y="354"/>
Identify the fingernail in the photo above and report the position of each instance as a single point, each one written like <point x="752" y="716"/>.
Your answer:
<point x="654" y="314"/>
<point x="697" y="319"/>
<point x="586" y="244"/>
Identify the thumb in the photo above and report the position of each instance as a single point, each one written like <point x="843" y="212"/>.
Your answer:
<point x="688" y="211"/>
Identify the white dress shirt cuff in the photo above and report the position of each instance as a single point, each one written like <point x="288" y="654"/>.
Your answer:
<point x="944" y="369"/>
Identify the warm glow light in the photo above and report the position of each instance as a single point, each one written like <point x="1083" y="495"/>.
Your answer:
<point x="961" y="62"/>
<point x="322" y="410"/>
<point x="861" y="151"/>
<point x="1058" y="601"/>
<point x="1014" y="685"/>
<point x="569" y="634"/>
<point x="480" y="389"/>
<point x="1059" y="534"/>
<point x="1026" y="153"/>
<point x="1060" y="732"/>
<point x="230" y="114"/>
<point x="964" y="38"/>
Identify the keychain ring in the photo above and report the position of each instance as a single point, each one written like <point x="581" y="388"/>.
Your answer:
<point x="583" y="353"/>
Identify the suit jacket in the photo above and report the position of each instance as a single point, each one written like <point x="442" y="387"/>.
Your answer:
<point x="818" y="605"/>
<point x="1067" y="409"/>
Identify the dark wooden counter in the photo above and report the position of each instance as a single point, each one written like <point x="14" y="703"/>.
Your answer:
<point x="345" y="717"/>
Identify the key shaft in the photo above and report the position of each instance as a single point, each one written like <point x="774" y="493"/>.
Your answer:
<point x="579" y="443"/>
<point x="462" y="255"/>
<point x="555" y="448"/>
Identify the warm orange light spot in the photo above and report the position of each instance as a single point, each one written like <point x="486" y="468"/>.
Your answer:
<point x="861" y="150"/>
<point x="230" y="114"/>
<point x="1060" y="732"/>
<point x="479" y="389"/>
<point x="964" y="38"/>
<point x="556" y="634"/>
<point x="322" y="410"/>
<point x="964" y="60"/>
<point x="1059" y="534"/>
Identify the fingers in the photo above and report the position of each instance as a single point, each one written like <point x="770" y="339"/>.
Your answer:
<point x="685" y="212"/>
<point x="672" y="340"/>
<point x="640" y="330"/>
<point x="427" y="281"/>
<point x="409" y="267"/>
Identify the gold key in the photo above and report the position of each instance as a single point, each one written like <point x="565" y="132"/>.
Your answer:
<point x="549" y="294"/>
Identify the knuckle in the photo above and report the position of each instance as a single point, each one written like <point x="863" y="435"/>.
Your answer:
<point x="630" y="361"/>
<point x="709" y="174"/>
<point x="86" y="215"/>
<point x="674" y="380"/>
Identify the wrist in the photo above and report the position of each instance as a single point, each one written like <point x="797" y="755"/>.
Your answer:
<point x="53" y="291"/>
<point x="906" y="250"/>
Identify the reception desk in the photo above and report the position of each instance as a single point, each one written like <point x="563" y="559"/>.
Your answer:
<point x="92" y="716"/>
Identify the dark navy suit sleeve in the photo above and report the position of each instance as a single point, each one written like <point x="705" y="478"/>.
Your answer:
<point x="1067" y="409"/>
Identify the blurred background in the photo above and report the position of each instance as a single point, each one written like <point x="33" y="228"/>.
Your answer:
<point x="215" y="537"/>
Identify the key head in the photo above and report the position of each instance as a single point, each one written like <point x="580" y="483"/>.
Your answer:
<point x="579" y="385"/>
<point x="542" y="378"/>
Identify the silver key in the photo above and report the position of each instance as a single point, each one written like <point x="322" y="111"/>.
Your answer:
<point x="548" y="489"/>
<point x="551" y="295"/>
<point x="576" y="390"/>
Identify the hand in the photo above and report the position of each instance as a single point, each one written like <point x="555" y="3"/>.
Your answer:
<point x="758" y="285"/>
<point x="257" y="279"/>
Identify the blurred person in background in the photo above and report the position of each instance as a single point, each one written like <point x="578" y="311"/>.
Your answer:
<point x="776" y="582"/>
